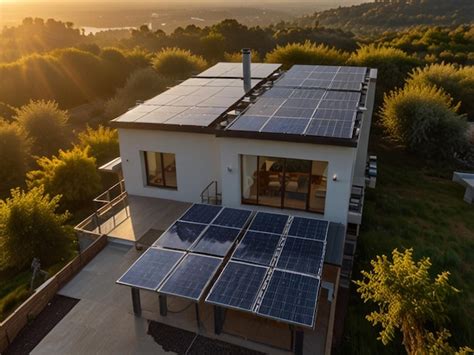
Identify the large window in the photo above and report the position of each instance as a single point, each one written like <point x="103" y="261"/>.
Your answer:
<point x="284" y="183"/>
<point x="160" y="169"/>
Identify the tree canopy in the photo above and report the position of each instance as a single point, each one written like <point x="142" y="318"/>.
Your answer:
<point x="178" y="63"/>
<point x="102" y="143"/>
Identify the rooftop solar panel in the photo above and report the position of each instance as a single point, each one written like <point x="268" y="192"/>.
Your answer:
<point x="330" y="128"/>
<point x="309" y="228"/>
<point x="286" y="125"/>
<point x="180" y="236"/>
<point x="151" y="268"/>
<point x="234" y="70"/>
<point x="232" y="217"/>
<point x="201" y="213"/>
<point x="191" y="277"/>
<point x="237" y="286"/>
<point x="258" y="248"/>
<point x="302" y="255"/>
<point x="248" y="123"/>
<point x="269" y="222"/>
<point x="216" y="240"/>
<point x="291" y="297"/>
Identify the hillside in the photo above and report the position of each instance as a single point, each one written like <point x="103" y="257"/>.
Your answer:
<point x="390" y="16"/>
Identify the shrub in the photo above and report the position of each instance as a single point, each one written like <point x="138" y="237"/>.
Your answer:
<point x="14" y="155"/>
<point x="45" y="124"/>
<point x="236" y="57"/>
<point x="306" y="53"/>
<point x="6" y="111"/>
<point x="102" y="142"/>
<point x="12" y="300"/>
<point x="178" y="63"/>
<point x="457" y="82"/>
<point x="424" y="120"/>
<point x="72" y="174"/>
<point x="30" y="227"/>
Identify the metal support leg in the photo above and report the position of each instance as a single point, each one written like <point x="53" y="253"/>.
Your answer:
<point x="218" y="320"/>
<point x="163" y="305"/>
<point x="137" y="307"/>
<point x="299" y="340"/>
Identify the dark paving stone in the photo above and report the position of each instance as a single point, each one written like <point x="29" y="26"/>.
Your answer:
<point x="171" y="338"/>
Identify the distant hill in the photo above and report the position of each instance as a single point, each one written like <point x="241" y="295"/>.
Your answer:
<point x="391" y="15"/>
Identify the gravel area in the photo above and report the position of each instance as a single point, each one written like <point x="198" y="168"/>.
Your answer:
<point x="36" y="330"/>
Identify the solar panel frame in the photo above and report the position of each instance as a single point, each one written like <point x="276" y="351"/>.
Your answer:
<point x="178" y="255"/>
<point x="196" y="211"/>
<point x="232" y="217"/>
<point x="188" y="269"/>
<point x="301" y="255"/>
<point x="261" y="220"/>
<point x="300" y="227"/>
<point x="257" y="248"/>
<point x="177" y="230"/>
<point x="204" y="244"/>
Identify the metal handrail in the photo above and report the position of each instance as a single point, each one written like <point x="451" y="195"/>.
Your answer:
<point x="206" y="193"/>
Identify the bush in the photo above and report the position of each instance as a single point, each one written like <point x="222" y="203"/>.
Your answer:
<point x="12" y="300"/>
<point x="306" y="53"/>
<point x="236" y="57"/>
<point x="457" y="82"/>
<point x="178" y="63"/>
<point x="72" y="174"/>
<point x="6" y="111"/>
<point x="14" y="155"/>
<point x="102" y="142"/>
<point x="30" y="227"/>
<point x="45" y="124"/>
<point x="425" y="121"/>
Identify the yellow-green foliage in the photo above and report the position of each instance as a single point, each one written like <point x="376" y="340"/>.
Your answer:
<point x="424" y="119"/>
<point x="236" y="57"/>
<point x="14" y="155"/>
<point x="30" y="227"/>
<point x="178" y="63"/>
<point x="457" y="82"/>
<point x="102" y="142"/>
<point x="72" y="174"/>
<point x="306" y="53"/>
<point x="408" y="300"/>
<point x="45" y="124"/>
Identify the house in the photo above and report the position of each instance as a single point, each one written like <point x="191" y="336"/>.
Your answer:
<point x="256" y="138"/>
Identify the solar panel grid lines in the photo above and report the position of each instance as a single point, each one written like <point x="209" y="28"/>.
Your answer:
<point x="151" y="268"/>
<point x="181" y="235"/>
<point x="232" y="217"/>
<point x="308" y="228"/>
<point x="302" y="255"/>
<point x="237" y="286"/>
<point x="191" y="277"/>
<point x="201" y="213"/>
<point x="257" y="247"/>
<point x="216" y="240"/>
<point x="269" y="222"/>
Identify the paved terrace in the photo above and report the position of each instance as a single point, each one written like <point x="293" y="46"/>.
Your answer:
<point x="103" y="321"/>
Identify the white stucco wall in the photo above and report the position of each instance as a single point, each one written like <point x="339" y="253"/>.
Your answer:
<point x="197" y="162"/>
<point x="340" y="161"/>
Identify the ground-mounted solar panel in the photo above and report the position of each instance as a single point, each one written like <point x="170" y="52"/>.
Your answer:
<point x="237" y="286"/>
<point x="232" y="217"/>
<point x="216" y="240"/>
<point x="257" y="247"/>
<point x="181" y="235"/>
<point x="286" y="125"/>
<point x="309" y="228"/>
<point x="302" y="255"/>
<point x="201" y="213"/>
<point x="291" y="298"/>
<point x="269" y="222"/>
<point x="151" y="268"/>
<point x="191" y="277"/>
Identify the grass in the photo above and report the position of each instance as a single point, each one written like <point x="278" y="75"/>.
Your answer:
<point x="415" y="205"/>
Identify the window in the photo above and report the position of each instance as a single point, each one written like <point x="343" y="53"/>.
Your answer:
<point x="160" y="169"/>
<point x="284" y="183"/>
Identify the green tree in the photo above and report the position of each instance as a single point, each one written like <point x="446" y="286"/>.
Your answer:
<point x="45" y="124"/>
<point x="236" y="57"/>
<point x="14" y="155"/>
<point x="178" y="63"/>
<point x="102" y="142"/>
<point x="306" y="53"/>
<point x="457" y="82"/>
<point x="72" y="174"/>
<point x="30" y="227"/>
<point x="408" y="300"/>
<point x="424" y="119"/>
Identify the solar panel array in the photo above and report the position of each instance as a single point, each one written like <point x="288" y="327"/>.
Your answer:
<point x="194" y="102"/>
<point x="308" y="100"/>
<point x="286" y="266"/>
<point x="234" y="70"/>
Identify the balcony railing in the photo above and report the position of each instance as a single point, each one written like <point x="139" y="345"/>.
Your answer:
<point x="357" y="198"/>
<point x="211" y="194"/>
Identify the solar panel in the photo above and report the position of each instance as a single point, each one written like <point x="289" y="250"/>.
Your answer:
<point x="269" y="222"/>
<point x="232" y="217"/>
<point x="191" y="277"/>
<point x="309" y="228"/>
<point x="330" y="128"/>
<point x="248" y="123"/>
<point x="328" y="114"/>
<point x="234" y="70"/>
<point x="151" y="268"/>
<point x="201" y="213"/>
<point x="256" y="247"/>
<point x="286" y="125"/>
<point x="181" y="235"/>
<point x="302" y="255"/>
<point x="237" y="286"/>
<point x="291" y="298"/>
<point x="216" y="240"/>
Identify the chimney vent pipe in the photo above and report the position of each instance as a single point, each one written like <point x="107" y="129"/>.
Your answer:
<point x="246" y="63"/>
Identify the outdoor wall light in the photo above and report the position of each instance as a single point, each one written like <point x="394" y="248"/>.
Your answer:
<point x="334" y="177"/>
<point x="229" y="169"/>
